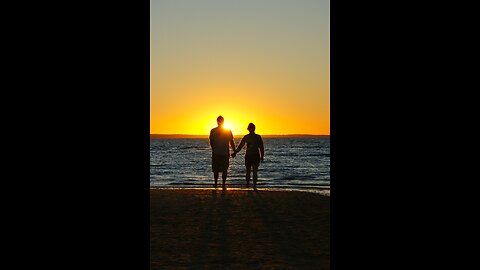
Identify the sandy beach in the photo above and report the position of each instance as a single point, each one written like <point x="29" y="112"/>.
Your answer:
<point x="238" y="229"/>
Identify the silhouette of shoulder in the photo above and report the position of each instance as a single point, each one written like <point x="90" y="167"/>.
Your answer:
<point x="253" y="137"/>
<point x="221" y="133"/>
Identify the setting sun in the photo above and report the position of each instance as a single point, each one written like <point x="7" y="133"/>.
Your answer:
<point x="228" y="126"/>
<point x="243" y="69"/>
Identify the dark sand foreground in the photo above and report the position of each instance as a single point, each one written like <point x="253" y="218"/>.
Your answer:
<point x="238" y="229"/>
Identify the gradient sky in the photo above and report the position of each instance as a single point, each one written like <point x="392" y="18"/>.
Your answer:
<point x="260" y="61"/>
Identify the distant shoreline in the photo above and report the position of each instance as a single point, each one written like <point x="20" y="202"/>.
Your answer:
<point x="189" y="136"/>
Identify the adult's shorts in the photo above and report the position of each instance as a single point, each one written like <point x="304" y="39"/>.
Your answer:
<point x="252" y="160"/>
<point x="220" y="163"/>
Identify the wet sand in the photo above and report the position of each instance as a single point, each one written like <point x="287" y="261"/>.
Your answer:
<point x="238" y="229"/>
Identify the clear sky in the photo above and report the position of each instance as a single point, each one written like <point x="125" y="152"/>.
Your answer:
<point x="260" y="61"/>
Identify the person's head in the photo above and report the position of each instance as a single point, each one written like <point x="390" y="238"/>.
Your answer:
<point x="220" y="120"/>
<point x="251" y="127"/>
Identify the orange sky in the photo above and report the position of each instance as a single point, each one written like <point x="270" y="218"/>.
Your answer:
<point x="249" y="62"/>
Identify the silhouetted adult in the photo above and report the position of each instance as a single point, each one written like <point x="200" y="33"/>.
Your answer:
<point x="255" y="152"/>
<point x="219" y="139"/>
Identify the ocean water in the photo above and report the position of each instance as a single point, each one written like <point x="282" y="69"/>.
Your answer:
<point x="293" y="163"/>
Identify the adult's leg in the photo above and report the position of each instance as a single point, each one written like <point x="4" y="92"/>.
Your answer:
<point x="255" y="177"/>
<point x="224" y="168"/>
<point x="247" y="175"/>
<point x="215" y="168"/>
<point x="224" y="178"/>
<point x="215" y="176"/>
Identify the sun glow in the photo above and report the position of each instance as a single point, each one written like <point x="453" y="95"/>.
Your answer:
<point x="249" y="71"/>
<point x="199" y="120"/>
<point x="228" y="126"/>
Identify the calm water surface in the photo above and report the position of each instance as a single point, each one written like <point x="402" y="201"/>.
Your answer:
<point x="301" y="163"/>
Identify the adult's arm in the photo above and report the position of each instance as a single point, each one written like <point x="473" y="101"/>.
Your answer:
<point x="240" y="146"/>
<point x="210" y="140"/>
<point x="232" y="142"/>
<point x="262" y="150"/>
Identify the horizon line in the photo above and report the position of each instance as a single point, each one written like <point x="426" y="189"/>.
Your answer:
<point x="180" y="134"/>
